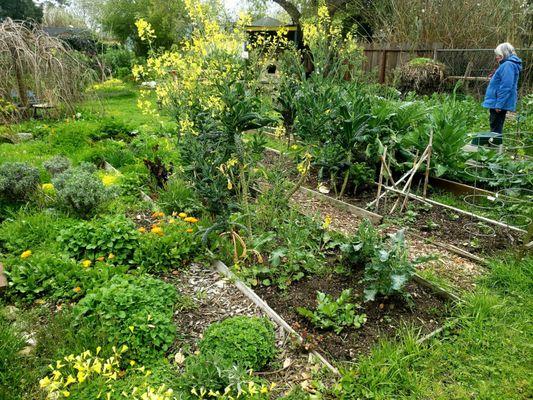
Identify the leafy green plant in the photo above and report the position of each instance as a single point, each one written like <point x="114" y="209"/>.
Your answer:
<point x="98" y="238"/>
<point x="133" y="310"/>
<point x="80" y="191"/>
<point x="210" y="372"/>
<point x="389" y="269"/>
<point x="177" y="245"/>
<point x="248" y="342"/>
<point x="335" y="314"/>
<point x="57" y="165"/>
<point x="53" y="276"/>
<point x="18" y="181"/>
<point x="361" y="248"/>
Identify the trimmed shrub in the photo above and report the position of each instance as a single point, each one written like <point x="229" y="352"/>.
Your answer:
<point x="57" y="165"/>
<point x="80" y="191"/>
<point x="248" y="342"/>
<point x="420" y="75"/>
<point x="18" y="181"/>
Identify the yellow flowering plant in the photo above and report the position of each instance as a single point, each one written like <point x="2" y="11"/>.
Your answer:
<point x="74" y="373"/>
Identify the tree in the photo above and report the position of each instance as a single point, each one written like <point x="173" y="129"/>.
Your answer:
<point x="20" y="10"/>
<point x="117" y="17"/>
<point x="295" y="9"/>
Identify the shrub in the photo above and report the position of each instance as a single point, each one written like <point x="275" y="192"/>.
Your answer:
<point x="57" y="165"/>
<point x="135" y="311"/>
<point x="248" y="342"/>
<point x="18" y="181"/>
<point x="80" y="191"/>
<point x="91" y="240"/>
<point x="45" y="275"/>
<point x="176" y="246"/>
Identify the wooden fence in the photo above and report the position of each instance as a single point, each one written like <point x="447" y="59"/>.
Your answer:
<point x="471" y="65"/>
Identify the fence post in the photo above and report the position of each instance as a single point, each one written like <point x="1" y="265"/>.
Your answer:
<point x="383" y="66"/>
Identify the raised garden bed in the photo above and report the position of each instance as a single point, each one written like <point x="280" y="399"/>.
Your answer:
<point x="385" y="316"/>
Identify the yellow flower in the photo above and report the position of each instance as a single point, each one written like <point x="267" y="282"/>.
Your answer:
<point x="142" y="229"/>
<point x="189" y="230"/>
<point x="327" y="222"/>
<point x="182" y="215"/>
<point x="109" y="180"/>
<point x="157" y="230"/>
<point x="48" y="187"/>
<point x="25" y="254"/>
<point x="158" y="214"/>
<point x="86" y="263"/>
<point x="102" y="258"/>
<point x="77" y="289"/>
<point x="111" y="256"/>
<point x="131" y="328"/>
<point x="191" y="220"/>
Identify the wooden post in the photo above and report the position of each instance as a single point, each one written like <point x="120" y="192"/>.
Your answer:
<point x="428" y="164"/>
<point x="383" y="66"/>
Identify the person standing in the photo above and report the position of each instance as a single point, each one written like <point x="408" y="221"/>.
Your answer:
<point x="502" y="92"/>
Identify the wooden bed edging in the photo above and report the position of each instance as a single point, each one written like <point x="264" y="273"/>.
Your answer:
<point x="361" y="212"/>
<point x="457" y="210"/>
<point x="457" y="187"/>
<point x="438" y="290"/>
<point x="259" y="302"/>
<point x="450" y="247"/>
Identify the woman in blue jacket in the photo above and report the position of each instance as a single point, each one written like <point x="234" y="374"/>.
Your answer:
<point x="502" y="91"/>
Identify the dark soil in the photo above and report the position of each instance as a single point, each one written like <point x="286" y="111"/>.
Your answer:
<point x="385" y="316"/>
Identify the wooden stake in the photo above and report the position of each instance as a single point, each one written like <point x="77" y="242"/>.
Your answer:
<point x="383" y="162"/>
<point x="428" y="165"/>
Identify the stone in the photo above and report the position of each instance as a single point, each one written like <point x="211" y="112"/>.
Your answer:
<point x="11" y="312"/>
<point x="24" y="136"/>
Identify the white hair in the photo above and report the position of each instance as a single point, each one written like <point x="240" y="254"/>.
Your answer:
<point x="504" y="50"/>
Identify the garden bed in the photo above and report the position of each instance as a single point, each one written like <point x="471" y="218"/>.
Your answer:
<point x="385" y="316"/>
<point x="463" y="231"/>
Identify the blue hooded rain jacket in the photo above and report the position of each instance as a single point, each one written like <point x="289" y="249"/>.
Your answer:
<point x="502" y="92"/>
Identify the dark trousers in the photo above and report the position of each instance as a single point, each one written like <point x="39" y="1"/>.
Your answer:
<point x="496" y="120"/>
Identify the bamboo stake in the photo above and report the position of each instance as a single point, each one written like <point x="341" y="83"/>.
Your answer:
<point x="383" y="162"/>
<point x="426" y="177"/>
<point x="407" y="185"/>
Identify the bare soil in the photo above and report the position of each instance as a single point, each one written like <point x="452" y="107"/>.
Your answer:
<point x="385" y="317"/>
